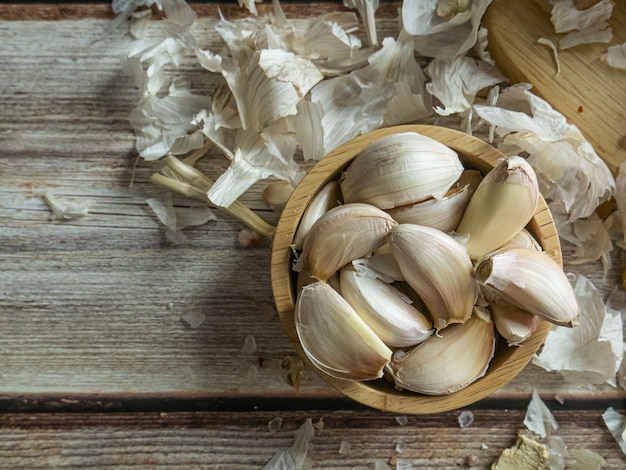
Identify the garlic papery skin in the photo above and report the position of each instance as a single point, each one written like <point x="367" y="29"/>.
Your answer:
<point x="335" y="338"/>
<point x="386" y="310"/>
<point x="325" y="199"/>
<point x="438" y="268"/>
<point x="533" y="281"/>
<point x="513" y="323"/>
<point x="504" y="202"/>
<point x="448" y="361"/>
<point x="343" y="234"/>
<point x="401" y="169"/>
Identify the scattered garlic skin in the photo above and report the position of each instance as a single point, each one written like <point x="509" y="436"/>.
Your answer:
<point x="533" y="281"/>
<point x="415" y="166"/>
<point x="385" y="309"/>
<point x="335" y="338"/>
<point x="448" y="361"/>
<point x="439" y="270"/>
<point x="343" y="234"/>
<point x="325" y="199"/>
<point x="504" y="202"/>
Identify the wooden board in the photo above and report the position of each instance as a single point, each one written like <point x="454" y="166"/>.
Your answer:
<point x="588" y="92"/>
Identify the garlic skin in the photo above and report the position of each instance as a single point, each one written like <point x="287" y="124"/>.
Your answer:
<point x="325" y="199"/>
<point x="335" y="338"/>
<point x="533" y="281"/>
<point x="343" y="234"/>
<point x="503" y="203"/>
<point x="385" y="309"/>
<point x="513" y="323"/>
<point x="439" y="270"/>
<point x="401" y="169"/>
<point x="445" y="213"/>
<point x="448" y="361"/>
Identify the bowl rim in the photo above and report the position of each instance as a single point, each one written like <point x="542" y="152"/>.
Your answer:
<point x="379" y="394"/>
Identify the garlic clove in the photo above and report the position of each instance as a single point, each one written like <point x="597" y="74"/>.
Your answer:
<point x="401" y="169"/>
<point x="504" y="202"/>
<point x="325" y="199"/>
<point x="448" y="361"/>
<point x="335" y="338"/>
<point x="439" y="270"/>
<point x="523" y="239"/>
<point x="513" y="323"/>
<point x="382" y="263"/>
<point x="343" y="234"/>
<point x="533" y="281"/>
<point x="276" y="194"/>
<point x="444" y="213"/>
<point x="385" y="309"/>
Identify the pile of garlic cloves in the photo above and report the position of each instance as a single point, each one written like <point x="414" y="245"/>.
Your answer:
<point x="386" y="289"/>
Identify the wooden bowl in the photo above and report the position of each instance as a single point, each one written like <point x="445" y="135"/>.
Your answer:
<point x="380" y="394"/>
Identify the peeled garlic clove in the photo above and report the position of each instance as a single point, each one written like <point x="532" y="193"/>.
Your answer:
<point x="335" y="338"/>
<point x="343" y="234"/>
<point x="445" y="213"/>
<point x="382" y="263"/>
<point x="276" y="194"/>
<point x="533" y="281"/>
<point x="439" y="270"/>
<point x="513" y="323"/>
<point x="385" y="309"/>
<point x="325" y="199"/>
<point x="501" y="206"/>
<point x="401" y="169"/>
<point x="449" y="361"/>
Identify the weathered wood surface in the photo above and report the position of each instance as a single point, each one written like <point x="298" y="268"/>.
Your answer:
<point x="90" y="308"/>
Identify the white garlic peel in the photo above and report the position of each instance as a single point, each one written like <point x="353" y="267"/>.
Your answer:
<point x="448" y="361"/>
<point x="385" y="309"/>
<point x="335" y="338"/>
<point x="401" y="169"/>
<point x="501" y="206"/>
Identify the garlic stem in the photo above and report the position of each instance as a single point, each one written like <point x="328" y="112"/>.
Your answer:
<point x="195" y="185"/>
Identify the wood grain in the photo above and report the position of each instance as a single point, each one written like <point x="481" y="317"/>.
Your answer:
<point x="588" y="92"/>
<point x="91" y="307"/>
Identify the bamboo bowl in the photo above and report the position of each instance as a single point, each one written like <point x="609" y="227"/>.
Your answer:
<point x="380" y="394"/>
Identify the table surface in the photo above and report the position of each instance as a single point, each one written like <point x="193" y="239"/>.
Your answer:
<point x="98" y="369"/>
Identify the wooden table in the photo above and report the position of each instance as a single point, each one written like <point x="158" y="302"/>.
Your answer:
<point x="98" y="369"/>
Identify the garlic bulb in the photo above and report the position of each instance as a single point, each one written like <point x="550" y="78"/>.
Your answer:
<point x="533" y="281"/>
<point x="343" y="234"/>
<point x="335" y="338"/>
<point x="444" y="213"/>
<point x="438" y="269"/>
<point x="501" y="206"/>
<point x="401" y="169"/>
<point x="325" y="199"/>
<point x="385" y="309"/>
<point x="449" y="361"/>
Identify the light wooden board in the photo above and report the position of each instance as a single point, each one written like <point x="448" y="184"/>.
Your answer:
<point x="587" y="91"/>
<point x="92" y="306"/>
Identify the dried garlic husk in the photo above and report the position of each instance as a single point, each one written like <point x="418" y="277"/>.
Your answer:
<point x="501" y="206"/>
<point x="439" y="270"/>
<point x="335" y="338"/>
<point x="386" y="310"/>
<point x="513" y="323"/>
<point x="401" y="169"/>
<point x="449" y="361"/>
<point x="445" y="213"/>
<point x="325" y="199"/>
<point x="382" y="263"/>
<point x="343" y="234"/>
<point x="533" y="281"/>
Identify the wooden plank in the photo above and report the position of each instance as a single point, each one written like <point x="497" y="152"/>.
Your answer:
<point x="244" y="441"/>
<point x="91" y="307"/>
